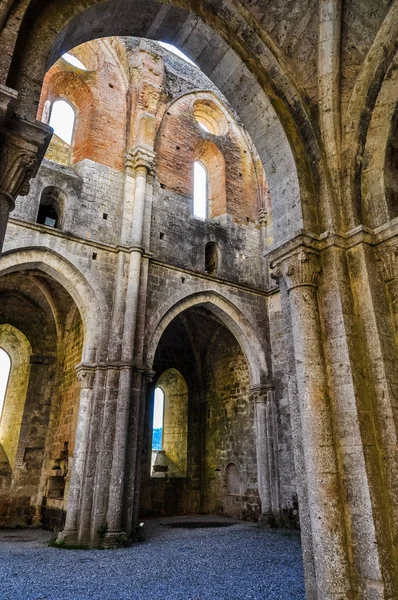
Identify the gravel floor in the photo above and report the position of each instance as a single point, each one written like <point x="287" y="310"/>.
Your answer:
<point x="237" y="562"/>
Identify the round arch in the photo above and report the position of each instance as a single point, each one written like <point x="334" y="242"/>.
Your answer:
<point x="233" y="50"/>
<point x="375" y="207"/>
<point x="233" y="319"/>
<point x="360" y="110"/>
<point x="19" y="351"/>
<point x="52" y="263"/>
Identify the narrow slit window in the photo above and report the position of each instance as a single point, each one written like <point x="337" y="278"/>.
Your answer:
<point x="158" y="410"/>
<point x="62" y="120"/>
<point x="5" y="367"/>
<point x="200" y="186"/>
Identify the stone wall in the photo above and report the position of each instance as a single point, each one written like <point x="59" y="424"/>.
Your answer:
<point x="88" y="247"/>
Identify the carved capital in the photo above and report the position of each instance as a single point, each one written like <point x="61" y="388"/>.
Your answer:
<point x="262" y="216"/>
<point x="262" y="394"/>
<point x="299" y="269"/>
<point x="85" y="374"/>
<point x="387" y="259"/>
<point x="141" y="158"/>
<point x="149" y="375"/>
<point x="22" y="147"/>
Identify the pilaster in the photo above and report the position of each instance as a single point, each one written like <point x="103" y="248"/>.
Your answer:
<point x="262" y="396"/>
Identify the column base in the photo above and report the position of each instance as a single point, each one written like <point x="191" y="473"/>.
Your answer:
<point x="267" y="521"/>
<point x="115" y="539"/>
<point x="67" y="537"/>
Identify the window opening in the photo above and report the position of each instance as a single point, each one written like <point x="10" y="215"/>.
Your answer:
<point x="200" y="185"/>
<point x="5" y="367"/>
<point x="203" y="126"/>
<point x="177" y="52"/>
<point x="62" y="120"/>
<point x="211" y="258"/>
<point x="158" y="411"/>
<point x="47" y="216"/>
<point x="75" y="62"/>
<point x="50" y="209"/>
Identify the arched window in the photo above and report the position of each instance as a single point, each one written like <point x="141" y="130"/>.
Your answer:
<point x="51" y="207"/>
<point x="209" y="181"/>
<point x="212" y="258"/>
<point x="170" y="426"/>
<point x="5" y="367"/>
<point x="62" y="120"/>
<point x="200" y="190"/>
<point x="158" y="411"/>
<point x="74" y="61"/>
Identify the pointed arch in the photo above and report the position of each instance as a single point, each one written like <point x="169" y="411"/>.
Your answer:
<point x="233" y="319"/>
<point x="360" y="109"/>
<point x="60" y="269"/>
<point x="247" y="61"/>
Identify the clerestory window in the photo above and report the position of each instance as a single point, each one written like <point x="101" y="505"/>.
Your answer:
<point x="62" y="120"/>
<point x="200" y="190"/>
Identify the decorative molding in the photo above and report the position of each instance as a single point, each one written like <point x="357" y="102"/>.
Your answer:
<point x="141" y="158"/>
<point x="22" y="148"/>
<point x="387" y="258"/>
<point x="300" y="269"/>
<point x="262" y="394"/>
<point x="8" y="98"/>
<point x="262" y="216"/>
<point x="85" y="374"/>
<point x="149" y="375"/>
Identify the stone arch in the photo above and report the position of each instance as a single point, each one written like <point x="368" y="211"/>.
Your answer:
<point x="18" y="347"/>
<point x="360" y="110"/>
<point x="233" y="319"/>
<point x="71" y="87"/>
<point x="71" y="279"/>
<point x="240" y="58"/>
<point x="376" y="206"/>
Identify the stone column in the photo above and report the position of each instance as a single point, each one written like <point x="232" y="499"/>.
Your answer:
<point x="300" y="270"/>
<point x="272" y="443"/>
<point x="22" y="147"/>
<point x="146" y="381"/>
<point x="260" y="396"/>
<point x="142" y="161"/>
<point x="388" y="263"/>
<point x="85" y="374"/>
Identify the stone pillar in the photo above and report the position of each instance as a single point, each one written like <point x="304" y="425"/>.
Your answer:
<point x="260" y="396"/>
<point x="132" y="513"/>
<point x="388" y="263"/>
<point x="300" y="270"/>
<point x="142" y="161"/>
<point x="22" y="147"/>
<point x="85" y="374"/>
